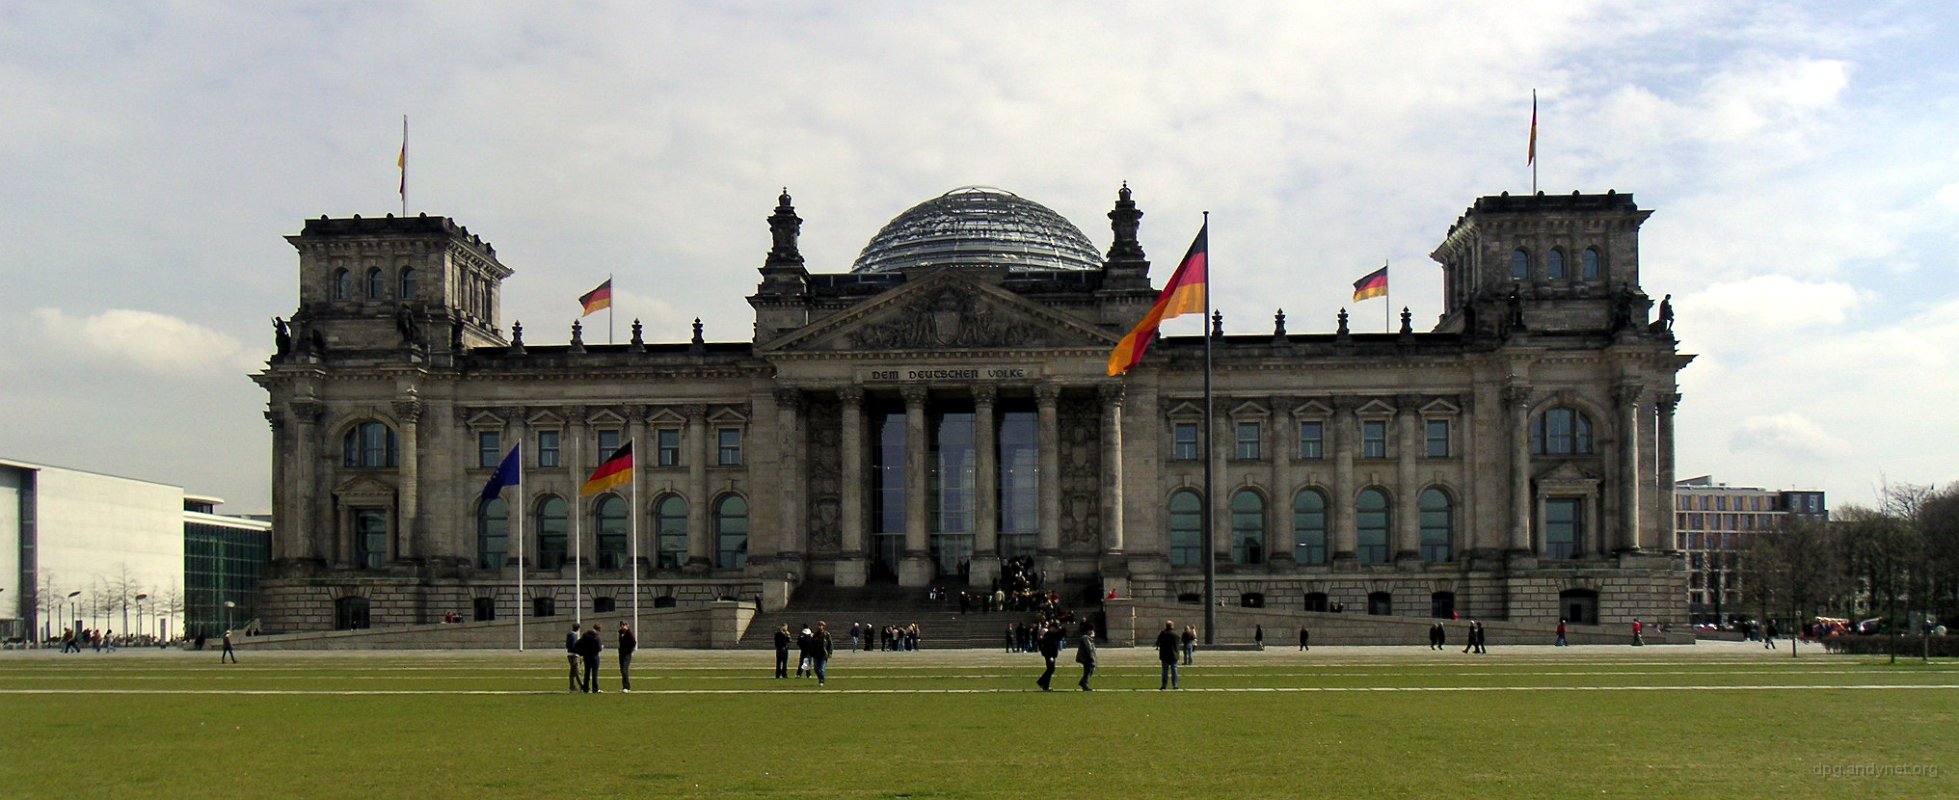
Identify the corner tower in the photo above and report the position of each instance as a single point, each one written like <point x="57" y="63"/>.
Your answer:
<point x="1544" y="264"/>
<point x="421" y="283"/>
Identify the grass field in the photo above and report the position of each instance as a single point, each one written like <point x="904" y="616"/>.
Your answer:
<point x="1706" y="721"/>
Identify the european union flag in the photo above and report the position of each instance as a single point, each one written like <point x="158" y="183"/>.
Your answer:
<point x="506" y="475"/>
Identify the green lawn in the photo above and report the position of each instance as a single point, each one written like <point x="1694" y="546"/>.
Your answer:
<point x="1364" y="722"/>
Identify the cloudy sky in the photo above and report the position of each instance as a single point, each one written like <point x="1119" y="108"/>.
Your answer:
<point x="1801" y="160"/>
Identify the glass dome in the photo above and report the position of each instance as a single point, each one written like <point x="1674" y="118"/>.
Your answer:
<point x="977" y="226"/>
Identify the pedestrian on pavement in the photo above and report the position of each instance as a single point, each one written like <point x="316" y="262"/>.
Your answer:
<point x="1561" y="640"/>
<point x="782" y="651"/>
<point x="1305" y="639"/>
<point x="1190" y="644"/>
<point x="1050" y="651"/>
<point x="228" y="652"/>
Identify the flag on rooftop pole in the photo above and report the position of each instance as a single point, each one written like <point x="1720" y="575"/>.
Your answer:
<point x="401" y="163"/>
<point x="1531" y="156"/>
<point x="1373" y="284"/>
<point x="596" y="299"/>
<point x="1186" y="293"/>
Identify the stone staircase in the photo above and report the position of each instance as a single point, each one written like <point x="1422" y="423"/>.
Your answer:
<point x="940" y="624"/>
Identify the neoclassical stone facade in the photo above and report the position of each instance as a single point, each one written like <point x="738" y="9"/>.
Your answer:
<point x="946" y="404"/>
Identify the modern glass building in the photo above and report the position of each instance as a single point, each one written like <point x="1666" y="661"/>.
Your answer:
<point x="224" y="559"/>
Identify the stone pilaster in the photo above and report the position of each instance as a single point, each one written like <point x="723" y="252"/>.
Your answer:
<point x="408" y="528"/>
<point x="1516" y="399"/>
<point x="1628" y="494"/>
<point x="1407" y="507"/>
<point x="852" y="568"/>
<point x="1112" y="533"/>
<point x="986" y="540"/>
<point x="700" y="540"/>
<point x="789" y="541"/>
<point x="916" y="568"/>
<point x="1046" y="396"/>
<point x="1663" y="482"/>
<point x="1345" y="433"/>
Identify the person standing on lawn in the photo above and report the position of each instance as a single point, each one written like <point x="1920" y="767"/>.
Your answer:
<point x="571" y="658"/>
<point x="589" y="646"/>
<point x="1050" y="651"/>
<point x="1166" y="652"/>
<point x="627" y="644"/>
<point x="782" y="651"/>
<point x="228" y="652"/>
<point x="820" y="650"/>
<point x="1085" y="654"/>
<point x="1190" y="643"/>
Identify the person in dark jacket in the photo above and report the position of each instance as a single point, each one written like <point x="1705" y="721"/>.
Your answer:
<point x="1258" y="636"/>
<point x="571" y="658"/>
<point x="1167" y="644"/>
<point x="1305" y="639"/>
<point x="1085" y="655"/>
<point x="820" y="650"/>
<point x="1190" y="643"/>
<point x="589" y="646"/>
<point x="1050" y="651"/>
<point x="782" y="651"/>
<point x="627" y="644"/>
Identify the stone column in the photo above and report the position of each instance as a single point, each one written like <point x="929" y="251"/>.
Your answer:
<point x="1279" y="540"/>
<point x="1111" y="396"/>
<point x="580" y="545"/>
<point x="1221" y="445"/>
<point x="314" y="542"/>
<point x="986" y="540"/>
<point x="1516" y="397"/>
<point x="1048" y="558"/>
<point x="516" y="504"/>
<point x="1629" y="477"/>
<point x="282" y="449"/>
<point x="916" y="568"/>
<point x="408" y="525"/>
<point x="852" y="569"/>
<point x="1407" y="503"/>
<point x="700" y="540"/>
<point x="790" y="542"/>
<point x="1663" y="482"/>
<point x="1344" y="433"/>
<point x="636" y="517"/>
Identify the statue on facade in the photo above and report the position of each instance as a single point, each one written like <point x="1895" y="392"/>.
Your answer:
<point x="281" y="336"/>
<point x="411" y="333"/>
<point x="1665" y="323"/>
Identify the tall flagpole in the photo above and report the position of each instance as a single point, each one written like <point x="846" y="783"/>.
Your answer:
<point x="402" y="162"/>
<point x="609" y="308"/>
<point x="578" y="559"/>
<point x="1387" y="325"/>
<point x="1533" y="141"/>
<point x="635" y="543"/>
<point x="1210" y="457"/>
<point x="521" y="597"/>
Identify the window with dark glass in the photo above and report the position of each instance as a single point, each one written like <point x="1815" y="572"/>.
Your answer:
<point x="350" y="614"/>
<point x="485" y="609"/>
<point x="1309" y="527"/>
<point x="610" y="512"/>
<point x="343" y="285"/>
<point x="730" y="439"/>
<point x="608" y="444"/>
<point x="544" y="607"/>
<point x="667" y="444"/>
<point x="1247" y="528"/>
<point x="1371" y="527"/>
<point x="670" y="526"/>
<point x="1380" y="604"/>
<point x="731" y="532"/>
<point x="1020" y="485"/>
<point x="604" y="605"/>
<point x="1564" y="528"/>
<point x="1438" y="526"/>
<point x="547" y="449"/>
<point x="377" y="285"/>
<point x="1442" y="605"/>
<point x="1561" y="432"/>
<point x="1438" y="438"/>
<point x="1588" y="264"/>
<point x="370" y="537"/>
<point x="1248" y="441"/>
<point x="1519" y="265"/>
<point x="492" y="534"/>
<point x="1316" y="601"/>
<point x="1184" y="435"/>
<point x="489" y="448"/>
<point x="551" y="532"/>
<point x="951" y="489"/>
<point x="408" y="283"/>
<point x="1373" y="439"/>
<point x="1186" y="519"/>
<point x="1312" y="440"/>
<point x="888" y="491"/>
<point x="369" y="444"/>
<point x="1554" y="265"/>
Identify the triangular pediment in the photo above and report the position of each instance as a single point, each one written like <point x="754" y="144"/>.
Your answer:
<point x="1312" y="409"/>
<point x="941" y="311"/>
<point x="364" y="488"/>
<point x="1567" y="474"/>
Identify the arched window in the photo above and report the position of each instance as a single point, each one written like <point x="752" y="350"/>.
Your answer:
<point x="1380" y="604"/>
<point x="1561" y="431"/>
<point x="1186" y="547"/>
<point x="1309" y="527"/>
<point x="670" y="526"/>
<point x="1588" y="264"/>
<point x="377" y="284"/>
<point x="343" y="285"/>
<point x="1371" y="527"/>
<point x="1519" y="265"/>
<point x="492" y="534"/>
<point x="1554" y="265"/>
<point x="1247" y="527"/>
<point x="551" y="532"/>
<point x="369" y="444"/>
<point x="610" y="512"/>
<point x="407" y="283"/>
<point x="1438" y="523"/>
<point x="731" y="532"/>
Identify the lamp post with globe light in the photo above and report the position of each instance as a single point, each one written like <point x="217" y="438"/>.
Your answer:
<point x="228" y="606"/>
<point x="72" y="608"/>
<point x="140" y="597"/>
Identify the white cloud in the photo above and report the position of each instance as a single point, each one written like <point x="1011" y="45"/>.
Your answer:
<point x="145" y="341"/>
<point x="1788" y="435"/>
<point x="1755" y="312"/>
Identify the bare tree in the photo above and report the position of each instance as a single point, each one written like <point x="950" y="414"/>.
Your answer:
<point x="120" y="590"/>
<point x="1793" y="570"/>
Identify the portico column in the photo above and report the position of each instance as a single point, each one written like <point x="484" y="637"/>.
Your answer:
<point x="851" y="570"/>
<point x="643" y="454"/>
<point x="1111" y="395"/>
<point x="518" y="424"/>
<point x="1517" y="398"/>
<point x="1343" y="433"/>
<point x="789" y="541"/>
<point x="407" y="544"/>
<point x="1407" y="517"/>
<point x="305" y="493"/>
<point x="699" y="538"/>
<point x="1279" y="541"/>
<point x="577" y="552"/>
<point x="916" y="568"/>
<point x="986" y="540"/>
<point x="1045" y="397"/>
<point x="1663" y="490"/>
<point x="1629" y="496"/>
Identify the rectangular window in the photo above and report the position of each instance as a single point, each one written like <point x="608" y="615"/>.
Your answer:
<point x="1312" y="441"/>
<point x="1720" y="503"/>
<point x="608" y="442"/>
<point x="488" y="448"/>
<point x="1564" y="528"/>
<point x="370" y="537"/>
<point x="1184" y="435"/>
<point x="1374" y="439"/>
<point x="730" y="439"/>
<point x="547" y="449"/>
<point x="1438" y="438"/>
<point x="1248" y="441"/>
<point x="667" y="441"/>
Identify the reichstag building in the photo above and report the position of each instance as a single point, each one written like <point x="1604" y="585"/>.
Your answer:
<point x="944" y="404"/>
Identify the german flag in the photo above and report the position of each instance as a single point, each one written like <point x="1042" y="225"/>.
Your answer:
<point x="1373" y="284"/>
<point x="616" y="471"/>
<point x="597" y="298"/>
<point x="1184" y="294"/>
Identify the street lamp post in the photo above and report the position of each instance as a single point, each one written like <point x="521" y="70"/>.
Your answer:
<point x="139" y="616"/>
<point x="228" y="606"/>
<point x="73" y="608"/>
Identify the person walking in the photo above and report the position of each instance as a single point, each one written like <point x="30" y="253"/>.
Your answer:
<point x="571" y="658"/>
<point x="1639" y="630"/>
<point x="820" y="649"/>
<point x="1482" y="637"/>
<point x="228" y="652"/>
<point x="1050" y="651"/>
<point x="1085" y="655"/>
<point x="628" y="643"/>
<point x="1166" y="652"/>
<point x="782" y="651"/>
<point x="1561" y="640"/>
<point x="1768" y="635"/>
<point x="1190" y="644"/>
<point x="588" y="648"/>
<point x="1258" y="636"/>
<point x="1305" y="639"/>
<point x="803" y="639"/>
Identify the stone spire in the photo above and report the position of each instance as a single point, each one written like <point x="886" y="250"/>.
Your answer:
<point x="1126" y="268"/>
<point x="784" y="227"/>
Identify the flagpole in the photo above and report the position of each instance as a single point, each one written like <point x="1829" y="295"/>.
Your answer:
<point x="609" y="308"/>
<point x="635" y="543"/>
<point x="1387" y="325"/>
<point x="404" y="165"/>
<point x="578" y="559"/>
<point x="1210" y="457"/>
<point x="521" y="598"/>
<point x="1533" y="141"/>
